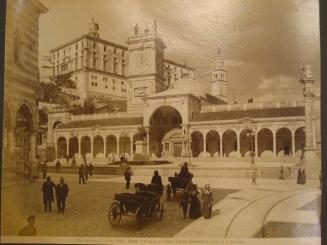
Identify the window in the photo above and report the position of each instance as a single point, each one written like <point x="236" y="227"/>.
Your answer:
<point x="92" y="83"/>
<point x="94" y="45"/>
<point x="64" y="52"/>
<point x="94" y="63"/>
<point x="106" y="86"/>
<point x="122" y="53"/>
<point x="113" y="88"/>
<point x="76" y="78"/>
<point x="115" y="51"/>
<point x="122" y="82"/>
<point x="57" y="54"/>
<point x="166" y="146"/>
<point x="104" y="48"/>
<point x="105" y="65"/>
<point x="96" y="84"/>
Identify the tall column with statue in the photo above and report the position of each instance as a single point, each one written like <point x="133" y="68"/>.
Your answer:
<point x="309" y="154"/>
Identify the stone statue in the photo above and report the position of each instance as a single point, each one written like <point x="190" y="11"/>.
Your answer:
<point x="307" y="72"/>
<point x="136" y="29"/>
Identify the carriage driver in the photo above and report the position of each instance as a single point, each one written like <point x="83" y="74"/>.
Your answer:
<point x="156" y="179"/>
<point x="184" y="171"/>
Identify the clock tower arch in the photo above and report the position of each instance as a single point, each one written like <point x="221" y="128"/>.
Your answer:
<point x="146" y="67"/>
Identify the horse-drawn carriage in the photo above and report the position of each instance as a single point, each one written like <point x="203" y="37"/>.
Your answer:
<point x="145" y="202"/>
<point x="180" y="182"/>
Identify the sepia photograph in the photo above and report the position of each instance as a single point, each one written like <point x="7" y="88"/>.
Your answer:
<point x="161" y="122"/>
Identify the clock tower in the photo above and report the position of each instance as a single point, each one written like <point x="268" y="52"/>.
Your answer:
<point x="146" y="67"/>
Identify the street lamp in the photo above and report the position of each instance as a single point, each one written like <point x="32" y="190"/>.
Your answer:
<point x="251" y="136"/>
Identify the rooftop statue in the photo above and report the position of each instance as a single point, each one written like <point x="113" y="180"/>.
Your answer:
<point x="307" y="74"/>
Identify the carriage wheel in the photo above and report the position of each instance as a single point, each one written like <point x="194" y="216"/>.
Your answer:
<point x="115" y="213"/>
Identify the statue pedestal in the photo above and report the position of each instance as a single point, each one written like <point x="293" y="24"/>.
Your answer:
<point x="141" y="147"/>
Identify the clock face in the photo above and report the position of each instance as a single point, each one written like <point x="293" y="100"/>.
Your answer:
<point x="142" y="62"/>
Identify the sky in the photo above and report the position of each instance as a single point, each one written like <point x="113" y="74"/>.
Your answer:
<point x="264" y="43"/>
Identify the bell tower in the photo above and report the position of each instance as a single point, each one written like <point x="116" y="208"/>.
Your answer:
<point x="218" y="80"/>
<point x="146" y="67"/>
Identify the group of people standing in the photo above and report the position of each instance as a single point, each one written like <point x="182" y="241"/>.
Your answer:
<point x="84" y="171"/>
<point x="191" y="203"/>
<point x="61" y="190"/>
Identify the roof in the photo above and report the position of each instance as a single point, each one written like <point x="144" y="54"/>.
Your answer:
<point x="177" y="64"/>
<point x="255" y="113"/>
<point x="119" y="121"/>
<point x="91" y="38"/>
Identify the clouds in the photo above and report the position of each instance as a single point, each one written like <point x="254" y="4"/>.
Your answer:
<point x="279" y="88"/>
<point x="262" y="42"/>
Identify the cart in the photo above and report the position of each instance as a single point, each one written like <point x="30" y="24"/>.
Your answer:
<point x="142" y="204"/>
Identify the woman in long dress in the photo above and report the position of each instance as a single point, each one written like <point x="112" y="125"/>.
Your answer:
<point x="207" y="201"/>
<point x="195" y="205"/>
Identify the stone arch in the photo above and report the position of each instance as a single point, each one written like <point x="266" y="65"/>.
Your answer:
<point x="197" y="143"/>
<point x="229" y="142"/>
<point x="98" y="145"/>
<point x="73" y="147"/>
<point x="265" y="142"/>
<point x="213" y="143"/>
<point x="61" y="147"/>
<point x="111" y="144"/>
<point x="85" y="145"/>
<point x="162" y="120"/>
<point x="284" y="141"/>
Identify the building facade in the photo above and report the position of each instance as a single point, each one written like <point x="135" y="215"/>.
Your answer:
<point x="99" y="67"/>
<point x="21" y="83"/>
<point x="181" y="120"/>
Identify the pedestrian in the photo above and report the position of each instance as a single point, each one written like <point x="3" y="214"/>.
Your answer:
<point x="58" y="166"/>
<point x="184" y="204"/>
<point x="254" y="177"/>
<point x="281" y="173"/>
<point x="303" y="177"/>
<point x="28" y="230"/>
<point x="61" y="195"/>
<point x="128" y="174"/>
<point x="168" y="191"/>
<point x="81" y="174"/>
<point x="90" y="168"/>
<point x="47" y="190"/>
<point x="207" y="201"/>
<point x="195" y="205"/>
<point x="44" y="169"/>
<point x="73" y="164"/>
<point x="86" y="171"/>
<point x="299" y="173"/>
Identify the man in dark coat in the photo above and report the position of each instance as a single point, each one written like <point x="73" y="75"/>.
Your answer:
<point x="128" y="174"/>
<point x="47" y="190"/>
<point x="156" y="179"/>
<point x="58" y="165"/>
<point x="81" y="174"/>
<point x="90" y="168"/>
<point x="61" y="194"/>
<point x="28" y="230"/>
<point x="184" y="171"/>
<point x="86" y="171"/>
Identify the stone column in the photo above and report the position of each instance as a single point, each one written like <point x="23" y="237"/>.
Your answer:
<point x="67" y="146"/>
<point x="204" y="144"/>
<point x="118" y="146"/>
<point x="256" y="145"/>
<point x="148" y="140"/>
<point x="238" y="144"/>
<point x="131" y="138"/>
<point x="293" y="144"/>
<point x="221" y="153"/>
<point x="105" y="147"/>
<point x="309" y="154"/>
<point x="32" y="165"/>
<point x="56" y="149"/>
<point x="92" y="147"/>
<point x="80" y="147"/>
<point x="274" y="144"/>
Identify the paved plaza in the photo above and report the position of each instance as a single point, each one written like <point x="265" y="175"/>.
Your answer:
<point x="272" y="208"/>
